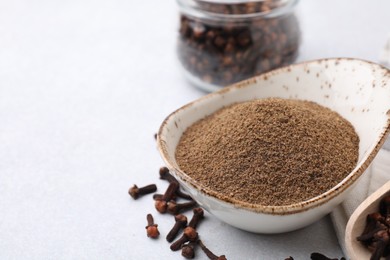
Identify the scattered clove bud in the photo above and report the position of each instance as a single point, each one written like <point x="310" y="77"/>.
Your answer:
<point x="166" y="175"/>
<point x="183" y="195"/>
<point x="188" y="250"/>
<point x="181" y="222"/>
<point x="175" y="208"/>
<point x="151" y="228"/>
<point x="158" y="196"/>
<point x="289" y="258"/>
<point x="189" y="234"/>
<point x="318" y="256"/>
<point x="161" y="204"/>
<point x="196" y="218"/>
<point x="136" y="192"/>
<point x="210" y="254"/>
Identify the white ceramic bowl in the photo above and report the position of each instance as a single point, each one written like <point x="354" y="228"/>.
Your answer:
<point x="358" y="90"/>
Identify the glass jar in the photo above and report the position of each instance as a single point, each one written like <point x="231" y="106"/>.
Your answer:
<point x="225" y="41"/>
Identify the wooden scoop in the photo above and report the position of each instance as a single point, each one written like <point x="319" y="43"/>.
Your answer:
<point x="357" y="222"/>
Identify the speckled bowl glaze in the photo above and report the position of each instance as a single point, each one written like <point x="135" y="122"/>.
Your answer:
<point x="358" y="90"/>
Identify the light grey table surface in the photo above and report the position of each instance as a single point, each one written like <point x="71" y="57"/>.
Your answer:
<point x="84" y="85"/>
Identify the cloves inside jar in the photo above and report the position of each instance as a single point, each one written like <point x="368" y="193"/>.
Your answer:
<point x="223" y="42"/>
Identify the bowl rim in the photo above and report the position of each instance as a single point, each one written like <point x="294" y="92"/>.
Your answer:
<point x="283" y="209"/>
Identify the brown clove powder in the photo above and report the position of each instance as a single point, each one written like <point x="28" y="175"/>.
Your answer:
<point x="269" y="151"/>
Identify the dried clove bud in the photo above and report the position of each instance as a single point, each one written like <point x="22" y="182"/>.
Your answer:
<point x="161" y="204"/>
<point x="189" y="234"/>
<point x="318" y="256"/>
<point x="175" y="208"/>
<point x="158" y="196"/>
<point x="151" y="228"/>
<point x="188" y="250"/>
<point x="289" y="258"/>
<point x="181" y="222"/>
<point x="196" y="218"/>
<point x="210" y="254"/>
<point x="166" y="175"/>
<point x="183" y="195"/>
<point x="136" y="192"/>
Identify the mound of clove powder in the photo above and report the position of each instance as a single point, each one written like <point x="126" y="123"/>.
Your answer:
<point x="269" y="151"/>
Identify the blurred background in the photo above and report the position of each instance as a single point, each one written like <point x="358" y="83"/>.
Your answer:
<point x="84" y="85"/>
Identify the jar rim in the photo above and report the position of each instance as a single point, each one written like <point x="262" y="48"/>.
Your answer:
<point x="191" y="8"/>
